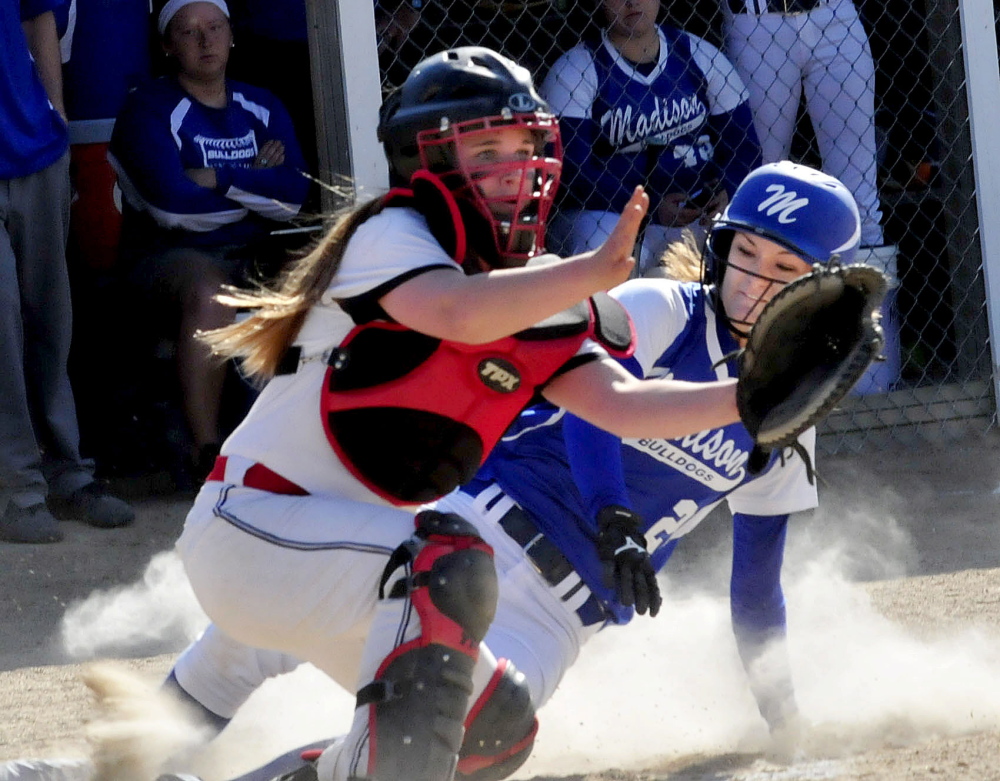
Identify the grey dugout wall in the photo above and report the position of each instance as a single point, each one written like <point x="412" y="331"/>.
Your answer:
<point x="937" y="169"/>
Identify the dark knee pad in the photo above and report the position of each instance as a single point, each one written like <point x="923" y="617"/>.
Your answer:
<point x="500" y="728"/>
<point x="456" y="567"/>
<point x="421" y="690"/>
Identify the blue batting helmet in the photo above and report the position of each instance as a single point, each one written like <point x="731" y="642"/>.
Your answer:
<point x="804" y="210"/>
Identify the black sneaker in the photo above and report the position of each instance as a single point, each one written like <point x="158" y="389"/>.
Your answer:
<point x="93" y="505"/>
<point x="33" y="524"/>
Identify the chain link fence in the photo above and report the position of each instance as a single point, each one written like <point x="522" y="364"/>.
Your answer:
<point x="891" y="66"/>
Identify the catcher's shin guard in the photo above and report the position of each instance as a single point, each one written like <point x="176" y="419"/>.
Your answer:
<point x="500" y="728"/>
<point x="420" y="694"/>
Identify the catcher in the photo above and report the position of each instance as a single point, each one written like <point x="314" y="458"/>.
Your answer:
<point x="393" y="356"/>
<point x="569" y="509"/>
<point x="580" y="521"/>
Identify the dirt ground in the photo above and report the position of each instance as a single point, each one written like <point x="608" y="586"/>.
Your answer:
<point x="893" y="591"/>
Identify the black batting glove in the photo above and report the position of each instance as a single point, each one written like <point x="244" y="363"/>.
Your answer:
<point x="625" y="563"/>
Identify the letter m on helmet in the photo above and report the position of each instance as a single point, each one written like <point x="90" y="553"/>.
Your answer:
<point x="782" y="203"/>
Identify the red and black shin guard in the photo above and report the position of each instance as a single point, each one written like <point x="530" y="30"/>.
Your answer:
<point x="421" y="690"/>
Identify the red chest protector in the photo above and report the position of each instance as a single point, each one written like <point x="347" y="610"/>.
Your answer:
<point x="414" y="417"/>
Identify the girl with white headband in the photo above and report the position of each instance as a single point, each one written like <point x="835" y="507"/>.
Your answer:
<point x="208" y="168"/>
<point x="173" y="6"/>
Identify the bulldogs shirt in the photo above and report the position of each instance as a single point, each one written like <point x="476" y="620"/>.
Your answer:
<point x="162" y="131"/>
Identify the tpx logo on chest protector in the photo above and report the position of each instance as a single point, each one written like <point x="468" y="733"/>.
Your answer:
<point x="499" y="375"/>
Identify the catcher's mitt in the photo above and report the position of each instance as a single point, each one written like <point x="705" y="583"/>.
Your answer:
<point x="809" y="346"/>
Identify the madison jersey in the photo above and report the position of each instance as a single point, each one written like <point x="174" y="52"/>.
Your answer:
<point x="161" y="132"/>
<point x="672" y="484"/>
<point x="627" y="124"/>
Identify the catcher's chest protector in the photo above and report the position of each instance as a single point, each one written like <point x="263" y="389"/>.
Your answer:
<point x="413" y="417"/>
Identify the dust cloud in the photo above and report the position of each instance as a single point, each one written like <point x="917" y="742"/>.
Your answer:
<point x="660" y="688"/>
<point x="673" y="686"/>
<point x="141" y="730"/>
<point x="157" y="614"/>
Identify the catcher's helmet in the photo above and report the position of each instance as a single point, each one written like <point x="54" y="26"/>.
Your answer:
<point x="474" y="90"/>
<point x="806" y="211"/>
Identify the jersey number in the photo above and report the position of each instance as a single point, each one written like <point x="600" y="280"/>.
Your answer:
<point x="668" y="525"/>
<point x="690" y="154"/>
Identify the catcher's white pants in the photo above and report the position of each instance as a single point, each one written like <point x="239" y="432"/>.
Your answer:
<point x="825" y="53"/>
<point x="299" y="576"/>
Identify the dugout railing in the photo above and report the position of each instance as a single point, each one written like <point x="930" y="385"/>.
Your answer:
<point x="937" y="118"/>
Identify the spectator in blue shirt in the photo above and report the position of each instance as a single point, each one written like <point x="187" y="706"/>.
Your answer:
<point x="208" y="168"/>
<point x="42" y="474"/>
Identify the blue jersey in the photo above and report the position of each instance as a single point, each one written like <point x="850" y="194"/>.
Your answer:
<point x="561" y="470"/>
<point x="673" y="129"/>
<point x="162" y="131"/>
<point x="32" y="134"/>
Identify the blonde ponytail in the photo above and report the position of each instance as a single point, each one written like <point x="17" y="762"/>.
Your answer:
<point x="681" y="260"/>
<point x="277" y="313"/>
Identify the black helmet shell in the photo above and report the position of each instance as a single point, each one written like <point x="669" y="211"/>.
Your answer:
<point x="457" y="85"/>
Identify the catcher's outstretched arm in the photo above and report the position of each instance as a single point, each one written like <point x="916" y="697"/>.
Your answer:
<point x="605" y="394"/>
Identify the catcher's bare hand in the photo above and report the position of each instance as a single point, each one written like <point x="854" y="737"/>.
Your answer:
<point x="614" y="257"/>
